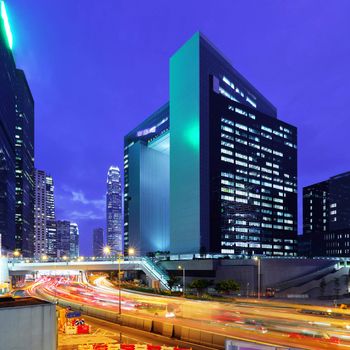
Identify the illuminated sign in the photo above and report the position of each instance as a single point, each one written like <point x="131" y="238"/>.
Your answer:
<point x="151" y="130"/>
<point x="146" y="131"/>
<point x="6" y="24"/>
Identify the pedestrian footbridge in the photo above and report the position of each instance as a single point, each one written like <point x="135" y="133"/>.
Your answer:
<point x="150" y="268"/>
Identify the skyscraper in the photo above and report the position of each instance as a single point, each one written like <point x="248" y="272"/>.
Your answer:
<point x="146" y="181"/>
<point x="232" y="164"/>
<point x="114" y="210"/>
<point x="51" y="233"/>
<point x="326" y="216"/>
<point x="16" y="148"/>
<point x="74" y="240"/>
<point x="97" y="242"/>
<point x="24" y="146"/>
<point x="45" y="241"/>
<point x="40" y="239"/>
<point x="63" y="238"/>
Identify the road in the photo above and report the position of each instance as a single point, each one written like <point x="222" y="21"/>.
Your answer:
<point x="273" y="323"/>
<point x="109" y="330"/>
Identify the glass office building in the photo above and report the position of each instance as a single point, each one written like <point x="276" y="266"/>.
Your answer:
<point x="16" y="148"/>
<point x="24" y="145"/>
<point x="146" y="185"/>
<point x="232" y="163"/>
<point x="326" y="217"/>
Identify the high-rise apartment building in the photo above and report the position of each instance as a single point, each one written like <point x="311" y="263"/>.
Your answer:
<point x="326" y="216"/>
<point x="74" y="240"/>
<point x="97" y="242"/>
<point x="45" y="242"/>
<point x="63" y="238"/>
<point x="232" y="179"/>
<point x="16" y="148"/>
<point x="40" y="239"/>
<point x="51" y="233"/>
<point x="114" y="210"/>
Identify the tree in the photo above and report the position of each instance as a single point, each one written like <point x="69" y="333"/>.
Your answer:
<point x="227" y="286"/>
<point x="322" y="287"/>
<point x="200" y="285"/>
<point x="337" y="287"/>
<point x="172" y="280"/>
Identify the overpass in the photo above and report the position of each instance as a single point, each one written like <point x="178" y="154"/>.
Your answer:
<point x="151" y="270"/>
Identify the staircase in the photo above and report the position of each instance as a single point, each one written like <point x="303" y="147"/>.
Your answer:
<point x="155" y="272"/>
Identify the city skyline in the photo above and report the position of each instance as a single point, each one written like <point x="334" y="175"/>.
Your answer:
<point x="293" y="69"/>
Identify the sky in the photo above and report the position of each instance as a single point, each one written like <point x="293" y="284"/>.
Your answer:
<point x="98" y="68"/>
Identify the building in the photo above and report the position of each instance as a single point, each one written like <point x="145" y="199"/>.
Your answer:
<point x="146" y="181"/>
<point x="114" y="210"/>
<point x="24" y="145"/>
<point x="326" y="217"/>
<point x="45" y="241"/>
<point x="31" y="324"/>
<point x="40" y="239"/>
<point x="16" y="148"/>
<point x="232" y="164"/>
<point x="63" y="238"/>
<point x="74" y="240"/>
<point x="97" y="242"/>
<point x="51" y="231"/>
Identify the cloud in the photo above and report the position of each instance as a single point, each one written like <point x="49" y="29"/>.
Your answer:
<point x="85" y="215"/>
<point x="74" y="205"/>
<point x="79" y="196"/>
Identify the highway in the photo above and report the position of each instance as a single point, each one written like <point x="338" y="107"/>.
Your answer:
<point x="273" y="323"/>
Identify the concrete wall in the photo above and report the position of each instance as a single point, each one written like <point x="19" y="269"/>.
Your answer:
<point x="245" y="271"/>
<point x="30" y="327"/>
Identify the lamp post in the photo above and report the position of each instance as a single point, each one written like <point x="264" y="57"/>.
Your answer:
<point x="183" y="279"/>
<point x="107" y="251"/>
<point x="257" y="259"/>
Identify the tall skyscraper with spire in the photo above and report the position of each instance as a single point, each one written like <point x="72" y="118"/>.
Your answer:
<point x="114" y="210"/>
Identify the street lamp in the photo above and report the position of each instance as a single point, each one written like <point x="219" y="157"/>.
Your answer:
<point x="183" y="278"/>
<point x="107" y="251"/>
<point x="257" y="259"/>
<point x="44" y="257"/>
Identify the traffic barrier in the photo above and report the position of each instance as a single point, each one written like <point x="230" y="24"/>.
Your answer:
<point x="127" y="346"/>
<point x="141" y="347"/>
<point x="107" y="346"/>
<point x="85" y="347"/>
<point x="113" y="346"/>
<point x="70" y="329"/>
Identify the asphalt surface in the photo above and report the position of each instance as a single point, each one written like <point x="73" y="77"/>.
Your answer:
<point x="278" y="323"/>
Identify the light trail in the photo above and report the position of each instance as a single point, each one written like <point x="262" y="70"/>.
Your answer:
<point x="254" y="322"/>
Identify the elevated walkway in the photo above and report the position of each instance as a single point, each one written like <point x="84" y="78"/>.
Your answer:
<point x="150" y="268"/>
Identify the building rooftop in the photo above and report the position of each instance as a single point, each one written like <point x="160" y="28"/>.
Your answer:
<point x="7" y="302"/>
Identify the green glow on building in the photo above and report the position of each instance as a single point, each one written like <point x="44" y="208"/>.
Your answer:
<point x="6" y="25"/>
<point x="185" y="148"/>
<point x="191" y="134"/>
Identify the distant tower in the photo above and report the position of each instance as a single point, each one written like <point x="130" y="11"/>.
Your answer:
<point x="97" y="242"/>
<point x="63" y="238"/>
<point x="114" y="210"/>
<point x="45" y="241"/>
<point x="40" y="244"/>
<point x="74" y="240"/>
<point x="51" y="232"/>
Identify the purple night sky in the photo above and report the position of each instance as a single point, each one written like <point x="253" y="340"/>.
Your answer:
<point x="97" y="68"/>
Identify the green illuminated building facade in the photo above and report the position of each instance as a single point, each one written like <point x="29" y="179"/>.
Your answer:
<point x="232" y="162"/>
